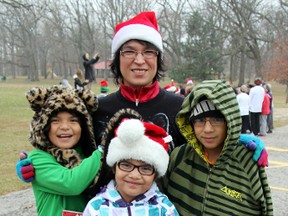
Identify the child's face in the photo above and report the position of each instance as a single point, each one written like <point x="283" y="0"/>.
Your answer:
<point x="131" y="184"/>
<point x="211" y="133"/>
<point x="65" y="130"/>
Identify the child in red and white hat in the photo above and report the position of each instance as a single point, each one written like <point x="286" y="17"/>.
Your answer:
<point x="172" y="88"/>
<point x="189" y="85"/>
<point x="104" y="88"/>
<point x="137" y="155"/>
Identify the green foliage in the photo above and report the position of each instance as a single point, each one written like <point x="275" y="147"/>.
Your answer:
<point x="201" y="51"/>
<point x="14" y="123"/>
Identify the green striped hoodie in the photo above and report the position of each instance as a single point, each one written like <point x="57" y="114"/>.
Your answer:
<point x="235" y="184"/>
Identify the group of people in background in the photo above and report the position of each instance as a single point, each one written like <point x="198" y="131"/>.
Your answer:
<point x="255" y="102"/>
<point x="256" y="107"/>
<point x="182" y="90"/>
<point x="81" y="83"/>
<point x="84" y="81"/>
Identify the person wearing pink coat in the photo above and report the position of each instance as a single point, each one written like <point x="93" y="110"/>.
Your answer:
<point x="264" y="113"/>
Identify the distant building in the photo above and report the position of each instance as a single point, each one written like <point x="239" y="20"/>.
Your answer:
<point x="103" y="67"/>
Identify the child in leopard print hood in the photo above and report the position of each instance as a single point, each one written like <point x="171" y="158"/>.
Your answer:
<point x="62" y="133"/>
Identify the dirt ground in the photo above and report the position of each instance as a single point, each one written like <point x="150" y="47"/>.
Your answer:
<point x="23" y="202"/>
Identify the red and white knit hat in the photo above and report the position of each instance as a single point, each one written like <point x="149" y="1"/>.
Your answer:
<point x="104" y="86"/>
<point x="189" y="81"/>
<point x="141" y="27"/>
<point x="172" y="88"/>
<point x="140" y="141"/>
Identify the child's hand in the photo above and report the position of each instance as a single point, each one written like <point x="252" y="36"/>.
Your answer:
<point x="254" y="143"/>
<point x="24" y="168"/>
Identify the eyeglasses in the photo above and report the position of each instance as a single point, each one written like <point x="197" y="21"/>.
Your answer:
<point x="132" y="54"/>
<point x="214" y="121"/>
<point x="129" y="167"/>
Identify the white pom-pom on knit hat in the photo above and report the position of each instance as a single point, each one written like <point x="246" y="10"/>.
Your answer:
<point x="142" y="141"/>
<point x="189" y="81"/>
<point x="143" y="26"/>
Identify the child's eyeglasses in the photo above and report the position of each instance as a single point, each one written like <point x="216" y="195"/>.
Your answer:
<point x="212" y="120"/>
<point x="129" y="167"/>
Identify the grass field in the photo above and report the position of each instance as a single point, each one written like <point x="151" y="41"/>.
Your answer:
<point x="15" y="116"/>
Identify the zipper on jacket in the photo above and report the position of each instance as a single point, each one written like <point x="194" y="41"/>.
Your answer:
<point x="137" y="97"/>
<point x="129" y="211"/>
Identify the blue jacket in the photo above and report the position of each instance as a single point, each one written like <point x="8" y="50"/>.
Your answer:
<point x="109" y="202"/>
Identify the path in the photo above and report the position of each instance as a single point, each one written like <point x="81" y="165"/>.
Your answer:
<point x="23" y="202"/>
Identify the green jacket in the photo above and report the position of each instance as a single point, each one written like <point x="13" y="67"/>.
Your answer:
<point x="56" y="187"/>
<point x="235" y="185"/>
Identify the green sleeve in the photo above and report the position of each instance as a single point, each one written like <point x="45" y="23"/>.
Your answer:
<point x="52" y="177"/>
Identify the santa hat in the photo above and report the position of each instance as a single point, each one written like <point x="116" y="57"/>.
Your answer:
<point x="258" y="81"/>
<point x="189" y="81"/>
<point x="140" y="141"/>
<point x="171" y="88"/>
<point x="141" y="27"/>
<point x="104" y="86"/>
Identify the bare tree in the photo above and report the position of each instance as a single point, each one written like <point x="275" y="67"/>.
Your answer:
<point x="172" y="18"/>
<point x="22" y="26"/>
<point x="54" y="34"/>
<point x="245" y="18"/>
<point x="15" y="4"/>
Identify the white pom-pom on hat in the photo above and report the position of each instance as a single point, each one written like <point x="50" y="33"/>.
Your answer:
<point x="130" y="131"/>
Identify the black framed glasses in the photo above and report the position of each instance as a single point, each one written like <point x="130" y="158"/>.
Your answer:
<point x="129" y="167"/>
<point x="132" y="54"/>
<point x="214" y="121"/>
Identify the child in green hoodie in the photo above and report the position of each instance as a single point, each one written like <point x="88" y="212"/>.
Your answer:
<point x="62" y="133"/>
<point x="213" y="174"/>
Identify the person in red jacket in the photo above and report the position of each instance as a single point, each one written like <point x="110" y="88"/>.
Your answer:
<point x="264" y="113"/>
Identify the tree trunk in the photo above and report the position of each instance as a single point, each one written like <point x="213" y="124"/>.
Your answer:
<point x="242" y="69"/>
<point x="286" y="93"/>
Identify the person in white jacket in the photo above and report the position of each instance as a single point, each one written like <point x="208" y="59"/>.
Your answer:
<point x="243" y="101"/>
<point x="256" y="97"/>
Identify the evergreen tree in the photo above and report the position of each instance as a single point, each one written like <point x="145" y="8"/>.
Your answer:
<point x="201" y="51"/>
